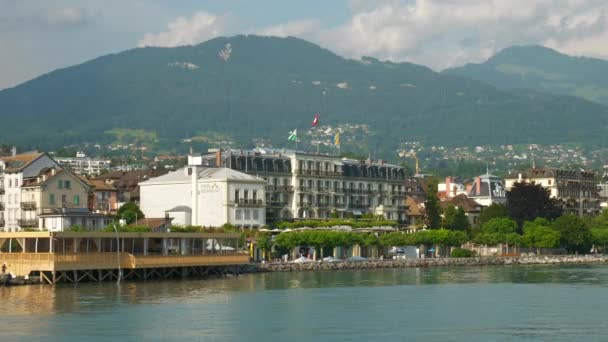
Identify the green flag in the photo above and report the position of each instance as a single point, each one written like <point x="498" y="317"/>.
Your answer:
<point x="293" y="136"/>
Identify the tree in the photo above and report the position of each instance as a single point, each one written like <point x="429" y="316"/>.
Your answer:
<point x="264" y="241"/>
<point x="575" y="234"/>
<point x="600" y="221"/>
<point x="527" y="201"/>
<point x="130" y="212"/>
<point x="539" y="234"/>
<point x="495" y="210"/>
<point x="455" y="219"/>
<point x="600" y="238"/>
<point x="431" y="206"/>
<point x="498" y="230"/>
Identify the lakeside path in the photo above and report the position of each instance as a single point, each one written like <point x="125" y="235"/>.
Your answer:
<point x="433" y="262"/>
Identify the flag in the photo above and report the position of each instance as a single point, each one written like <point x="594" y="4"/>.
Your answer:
<point x="293" y="135"/>
<point x="337" y="139"/>
<point x="315" y="121"/>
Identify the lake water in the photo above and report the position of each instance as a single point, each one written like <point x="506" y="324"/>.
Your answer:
<point x="518" y="303"/>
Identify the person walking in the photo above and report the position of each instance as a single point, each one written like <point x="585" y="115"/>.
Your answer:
<point x="3" y="267"/>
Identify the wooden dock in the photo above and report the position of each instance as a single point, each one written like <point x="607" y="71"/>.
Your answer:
<point x="98" y="256"/>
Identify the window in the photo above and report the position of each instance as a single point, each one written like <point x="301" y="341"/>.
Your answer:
<point x="247" y="213"/>
<point x="63" y="199"/>
<point x="256" y="215"/>
<point x="68" y="184"/>
<point x="76" y="200"/>
<point x="246" y="194"/>
<point x="238" y="214"/>
<point x="60" y="184"/>
<point x="255" y="195"/>
<point x="52" y="199"/>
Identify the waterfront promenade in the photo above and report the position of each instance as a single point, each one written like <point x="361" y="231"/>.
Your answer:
<point x="96" y="256"/>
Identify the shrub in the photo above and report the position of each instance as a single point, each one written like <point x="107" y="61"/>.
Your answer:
<point x="463" y="253"/>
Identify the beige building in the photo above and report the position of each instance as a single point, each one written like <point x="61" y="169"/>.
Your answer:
<point x="576" y="190"/>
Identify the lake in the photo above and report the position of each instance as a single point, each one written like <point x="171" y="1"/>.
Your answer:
<point x="502" y="303"/>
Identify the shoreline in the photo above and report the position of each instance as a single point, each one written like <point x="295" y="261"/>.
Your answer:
<point x="434" y="262"/>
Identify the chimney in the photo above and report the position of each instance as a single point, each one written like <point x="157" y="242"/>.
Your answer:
<point x="478" y="186"/>
<point x="469" y="187"/>
<point x="14" y="151"/>
<point x="448" y="187"/>
<point x="53" y="172"/>
<point x="218" y="158"/>
<point x="519" y="177"/>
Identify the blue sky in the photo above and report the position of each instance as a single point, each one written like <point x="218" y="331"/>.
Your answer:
<point x="40" y="36"/>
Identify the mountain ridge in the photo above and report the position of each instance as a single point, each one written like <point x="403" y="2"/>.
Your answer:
<point x="271" y="85"/>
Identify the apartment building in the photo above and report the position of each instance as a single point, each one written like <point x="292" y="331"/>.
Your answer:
<point x="303" y="185"/>
<point x="487" y="189"/>
<point x="83" y="165"/>
<point x="577" y="190"/>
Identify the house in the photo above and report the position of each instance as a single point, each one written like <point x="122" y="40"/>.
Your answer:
<point x="221" y="195"/>
<point x="14" y="170"/>
<point x="103" y="197"/>
<point x="126" y="183"/>
<point x="415" y="213"/>
<point x="471" y="208"/>
<point x="57" y="199"/>
<point x="450" y="188"/>
<point x="487" y="189"/>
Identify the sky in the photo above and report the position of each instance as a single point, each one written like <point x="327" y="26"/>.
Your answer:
<point x="39" y="36"/>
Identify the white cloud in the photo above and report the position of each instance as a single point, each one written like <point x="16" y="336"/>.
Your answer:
<point x="298" y="28"/>
<point x="200" y="27"/>
<point x="68" y="16"/>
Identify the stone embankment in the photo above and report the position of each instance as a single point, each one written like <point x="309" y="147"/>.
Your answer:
<point x="436" y="262"/>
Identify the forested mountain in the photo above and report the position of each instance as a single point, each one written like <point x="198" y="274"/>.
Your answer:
<point x="266" y="86"/>
<point x="542" y="69"/>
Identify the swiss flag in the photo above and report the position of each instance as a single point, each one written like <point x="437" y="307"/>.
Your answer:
<point x="315" y="121"/>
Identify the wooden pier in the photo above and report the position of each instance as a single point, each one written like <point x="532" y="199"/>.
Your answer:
<point x="98" y="256"/>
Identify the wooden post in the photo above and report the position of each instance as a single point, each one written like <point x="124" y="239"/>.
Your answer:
<point x="146" y="241"/>
<point x="36" y="246"/>
<point x="10" y="245"/>
<point x="50" y="245"/>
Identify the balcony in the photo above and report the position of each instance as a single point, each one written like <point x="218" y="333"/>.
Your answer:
<point x="250" y="202"/>
<point x="28" y="205"/>
<point x="2" y="191"/>
<point x="2" y="223"/>
<point x="276" y="204"/>
<point x="27" y="223"/>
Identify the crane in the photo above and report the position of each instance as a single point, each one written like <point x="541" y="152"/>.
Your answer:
<point x="411" y="154"/>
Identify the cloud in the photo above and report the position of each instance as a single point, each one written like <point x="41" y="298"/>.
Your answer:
<point x="298" y="28"/>
<point x="69" y="16"/>
<point x="198" y="28"/>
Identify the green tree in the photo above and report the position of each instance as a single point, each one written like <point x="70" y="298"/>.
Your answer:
<point x="455" y="219"/>
<point x="575" y="234"/>
<point x="495" y="210"/>
<point x="600" y="238"/>
<point x="539" y="234"/>
<point x="431" y="206"/>
<point x="600" y="221"/>
<point x="130" y="212"/>
<point x="527" y="201"/>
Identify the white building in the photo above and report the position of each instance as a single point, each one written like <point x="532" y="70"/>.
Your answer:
<point x="13" y="171"/>
<point x="223" y="196"/>
<point x="305" y="185"/>
<point x="83" y="165"/>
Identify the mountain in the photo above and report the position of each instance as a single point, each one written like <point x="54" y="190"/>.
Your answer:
<point x="542" y="69"/>
<point x="269" y="86"/>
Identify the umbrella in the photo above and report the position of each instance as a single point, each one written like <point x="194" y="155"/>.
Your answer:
<point x="302" y="260"/>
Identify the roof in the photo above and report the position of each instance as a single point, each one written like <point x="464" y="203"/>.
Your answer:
<point x="154" y="222"/>
<point x="462" y="201"/>
<point x="48" y="172"/>
<point x="414" y="208"/>
<point x="179" y="208"/>
<point x="100" y="185"/>
<point x="211" y="173"/>
<point x="20" y="161"/>
<point x="551" y="172"/>
<point x="128" y="180"/>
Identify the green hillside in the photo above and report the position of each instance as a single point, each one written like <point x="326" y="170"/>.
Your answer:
<point x="269" y="86"/>
<point x="542" y="69"/>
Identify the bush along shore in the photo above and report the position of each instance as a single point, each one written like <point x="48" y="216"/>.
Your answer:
<point x="433" y="262"/>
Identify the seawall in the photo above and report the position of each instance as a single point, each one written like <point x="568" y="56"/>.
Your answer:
<point x="433" y="262"/>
